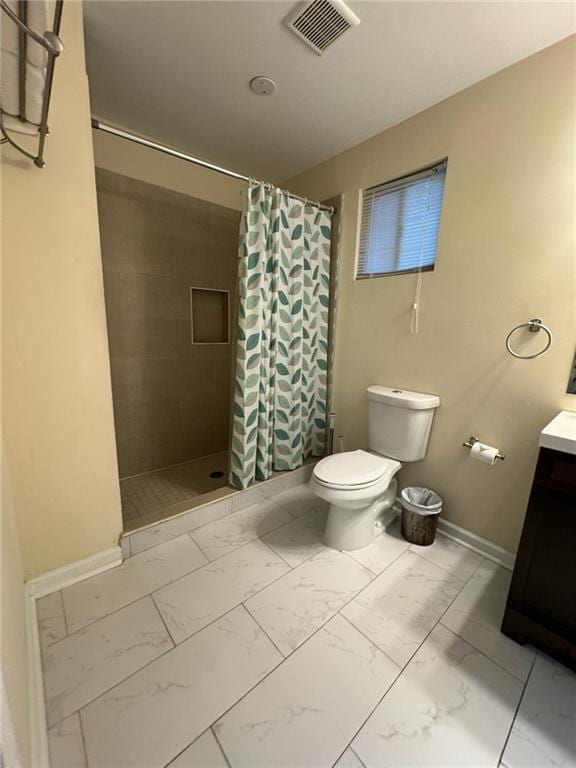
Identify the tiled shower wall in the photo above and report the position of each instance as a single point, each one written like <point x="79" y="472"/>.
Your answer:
<point x="171" y="398"/>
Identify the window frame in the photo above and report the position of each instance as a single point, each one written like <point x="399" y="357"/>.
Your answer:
<point x="413" y="175"/>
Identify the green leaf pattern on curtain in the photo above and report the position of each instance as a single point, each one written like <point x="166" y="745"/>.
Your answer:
<point x="279" y="414"/>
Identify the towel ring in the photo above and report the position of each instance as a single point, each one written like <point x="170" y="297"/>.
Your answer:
<point x="533" y="326"/>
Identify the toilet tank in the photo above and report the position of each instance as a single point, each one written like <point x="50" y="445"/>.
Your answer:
<point x="399" y="422"/>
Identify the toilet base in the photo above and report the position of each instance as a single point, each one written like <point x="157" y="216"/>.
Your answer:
<point x="347" y="532"/>
<point x="351" y="529"/>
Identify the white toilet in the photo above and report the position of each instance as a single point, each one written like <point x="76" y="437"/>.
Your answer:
<point x="360" y="486"/>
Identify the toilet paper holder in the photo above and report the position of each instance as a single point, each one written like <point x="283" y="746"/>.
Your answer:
<point x="470" y="442"/>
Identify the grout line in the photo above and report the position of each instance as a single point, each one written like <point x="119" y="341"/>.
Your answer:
<point x="280" y="556"/>
<point x="228" y="763"/>
<point x="184" y="575"/>
<point x="203" y="565"/>
<point x="209" y="729"/>
<point x="141" y="597"/>
<point x="372" y="642"/>
<point x="331" y="616"/>
<point x="384" y="569"/>
<point x="524" y="689"/>
<point x="356" y="756"/>
<point x="237" y="605"/>
<point x="380" y="700"/>
<point x="266" y="633"/>
<point x="402" y="669"/>
<point x="465" y="640"/>
<point x="148" y="663"/>
<point x="189" y="534"/>
<point x="82" y="707"/>
<point x="482" y="653"/>
<point x="442" y="568"/>
<point x="159" y="612"/>
<point x="280" y="663"/>
<point x="83" y="737"/>
<point x="61" y="592"/>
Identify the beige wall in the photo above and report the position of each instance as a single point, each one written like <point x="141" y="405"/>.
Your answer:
<point x="121" y="156"/>
<point x="505" y="254"/>
<point x="171" y="398"/>
<point x="57" y="403"/>
<point x="14" y="706"/>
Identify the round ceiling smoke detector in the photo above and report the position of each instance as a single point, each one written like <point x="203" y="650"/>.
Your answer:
<point x="263" y="86"/>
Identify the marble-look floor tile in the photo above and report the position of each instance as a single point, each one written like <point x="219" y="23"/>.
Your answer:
<point x="66" y="745"/>
<point x="451" y="707"/>
<point x="307" y="711"/>
<point x="544" y="732"/>
<point x="349" y="760"/>
<point x="296" y="605"/>
<point x="299" y="500"/>
<point x="51" y="620"/>
<point x="83" y="665"/>
<point x="383" y="550"/>
<point x="476" y="616"/>
<point x="194" y="601"/>
<point x="170" y="529"/>
<point x="453" y="558"/>
<point x="224" y="536"/>
<point x="299" y="540"/>
<point x="93" y="598"/>
<point x="254" y="495"/>
<point x="203" y="753"/>
<point x="402" y="605"/>
<point x="278" y="483"/>
<point x="147" y="720"/>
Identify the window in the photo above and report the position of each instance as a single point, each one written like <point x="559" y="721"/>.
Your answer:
<point x="400" y="223"/>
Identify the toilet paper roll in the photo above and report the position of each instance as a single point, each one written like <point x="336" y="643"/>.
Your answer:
<point x="482" y="452"/>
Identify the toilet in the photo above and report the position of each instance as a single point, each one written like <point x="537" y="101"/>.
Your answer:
<point x="361" y="486"/>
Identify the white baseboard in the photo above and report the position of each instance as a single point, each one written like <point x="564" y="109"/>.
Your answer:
<point x="69" y="574"/>
<point x="471" y="541"/>
<point x="11" y="753"/>
<point x="37" y="709"/>
<point x="34" y="589"/>
<point x="477" y="544"/>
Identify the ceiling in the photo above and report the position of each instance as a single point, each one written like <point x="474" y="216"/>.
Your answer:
<point x="178" y="72"/>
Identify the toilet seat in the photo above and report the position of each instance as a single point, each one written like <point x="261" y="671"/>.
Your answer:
<point x="354" y="470"/>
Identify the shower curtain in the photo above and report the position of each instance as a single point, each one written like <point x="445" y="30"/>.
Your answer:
<point x="279" y="413"/>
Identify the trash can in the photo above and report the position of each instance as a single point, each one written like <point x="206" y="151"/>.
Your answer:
<point x="421" y="509"/>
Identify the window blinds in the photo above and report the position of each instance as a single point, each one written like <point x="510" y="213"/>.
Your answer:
<point x="400" y="223"/>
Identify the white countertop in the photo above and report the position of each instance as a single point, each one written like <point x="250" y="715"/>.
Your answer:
<point x="560" y="434"/>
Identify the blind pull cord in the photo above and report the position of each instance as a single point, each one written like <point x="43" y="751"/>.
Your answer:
<point x="415" y="315"/>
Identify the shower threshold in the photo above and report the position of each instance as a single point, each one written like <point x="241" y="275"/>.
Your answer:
<point x="163" y="493"/>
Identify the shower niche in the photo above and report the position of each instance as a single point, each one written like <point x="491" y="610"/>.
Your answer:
<point x="209" y="316"/>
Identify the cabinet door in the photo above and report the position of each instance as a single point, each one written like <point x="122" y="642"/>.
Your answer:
<point x="549" y="589"/>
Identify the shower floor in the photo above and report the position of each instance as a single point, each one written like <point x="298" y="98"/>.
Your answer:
<point x="165" y="492"/>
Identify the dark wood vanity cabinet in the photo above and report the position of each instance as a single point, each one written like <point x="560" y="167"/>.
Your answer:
<point x="541" y="608"/>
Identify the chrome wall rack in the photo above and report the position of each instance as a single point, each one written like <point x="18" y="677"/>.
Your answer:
<point x="52" y="44"/>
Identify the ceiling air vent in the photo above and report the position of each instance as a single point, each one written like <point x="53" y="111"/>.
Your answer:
<point x="319" y="23"/>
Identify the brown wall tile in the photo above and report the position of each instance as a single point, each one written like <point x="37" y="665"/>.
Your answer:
<point x="171" y="397"/>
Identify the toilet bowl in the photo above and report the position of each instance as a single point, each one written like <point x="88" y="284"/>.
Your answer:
<point x="359" y="487"/>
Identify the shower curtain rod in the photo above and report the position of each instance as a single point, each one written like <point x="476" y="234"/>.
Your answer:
<point x="98" y="125"/>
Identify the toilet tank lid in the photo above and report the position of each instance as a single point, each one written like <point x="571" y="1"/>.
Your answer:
<point x="402" y="398"/>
